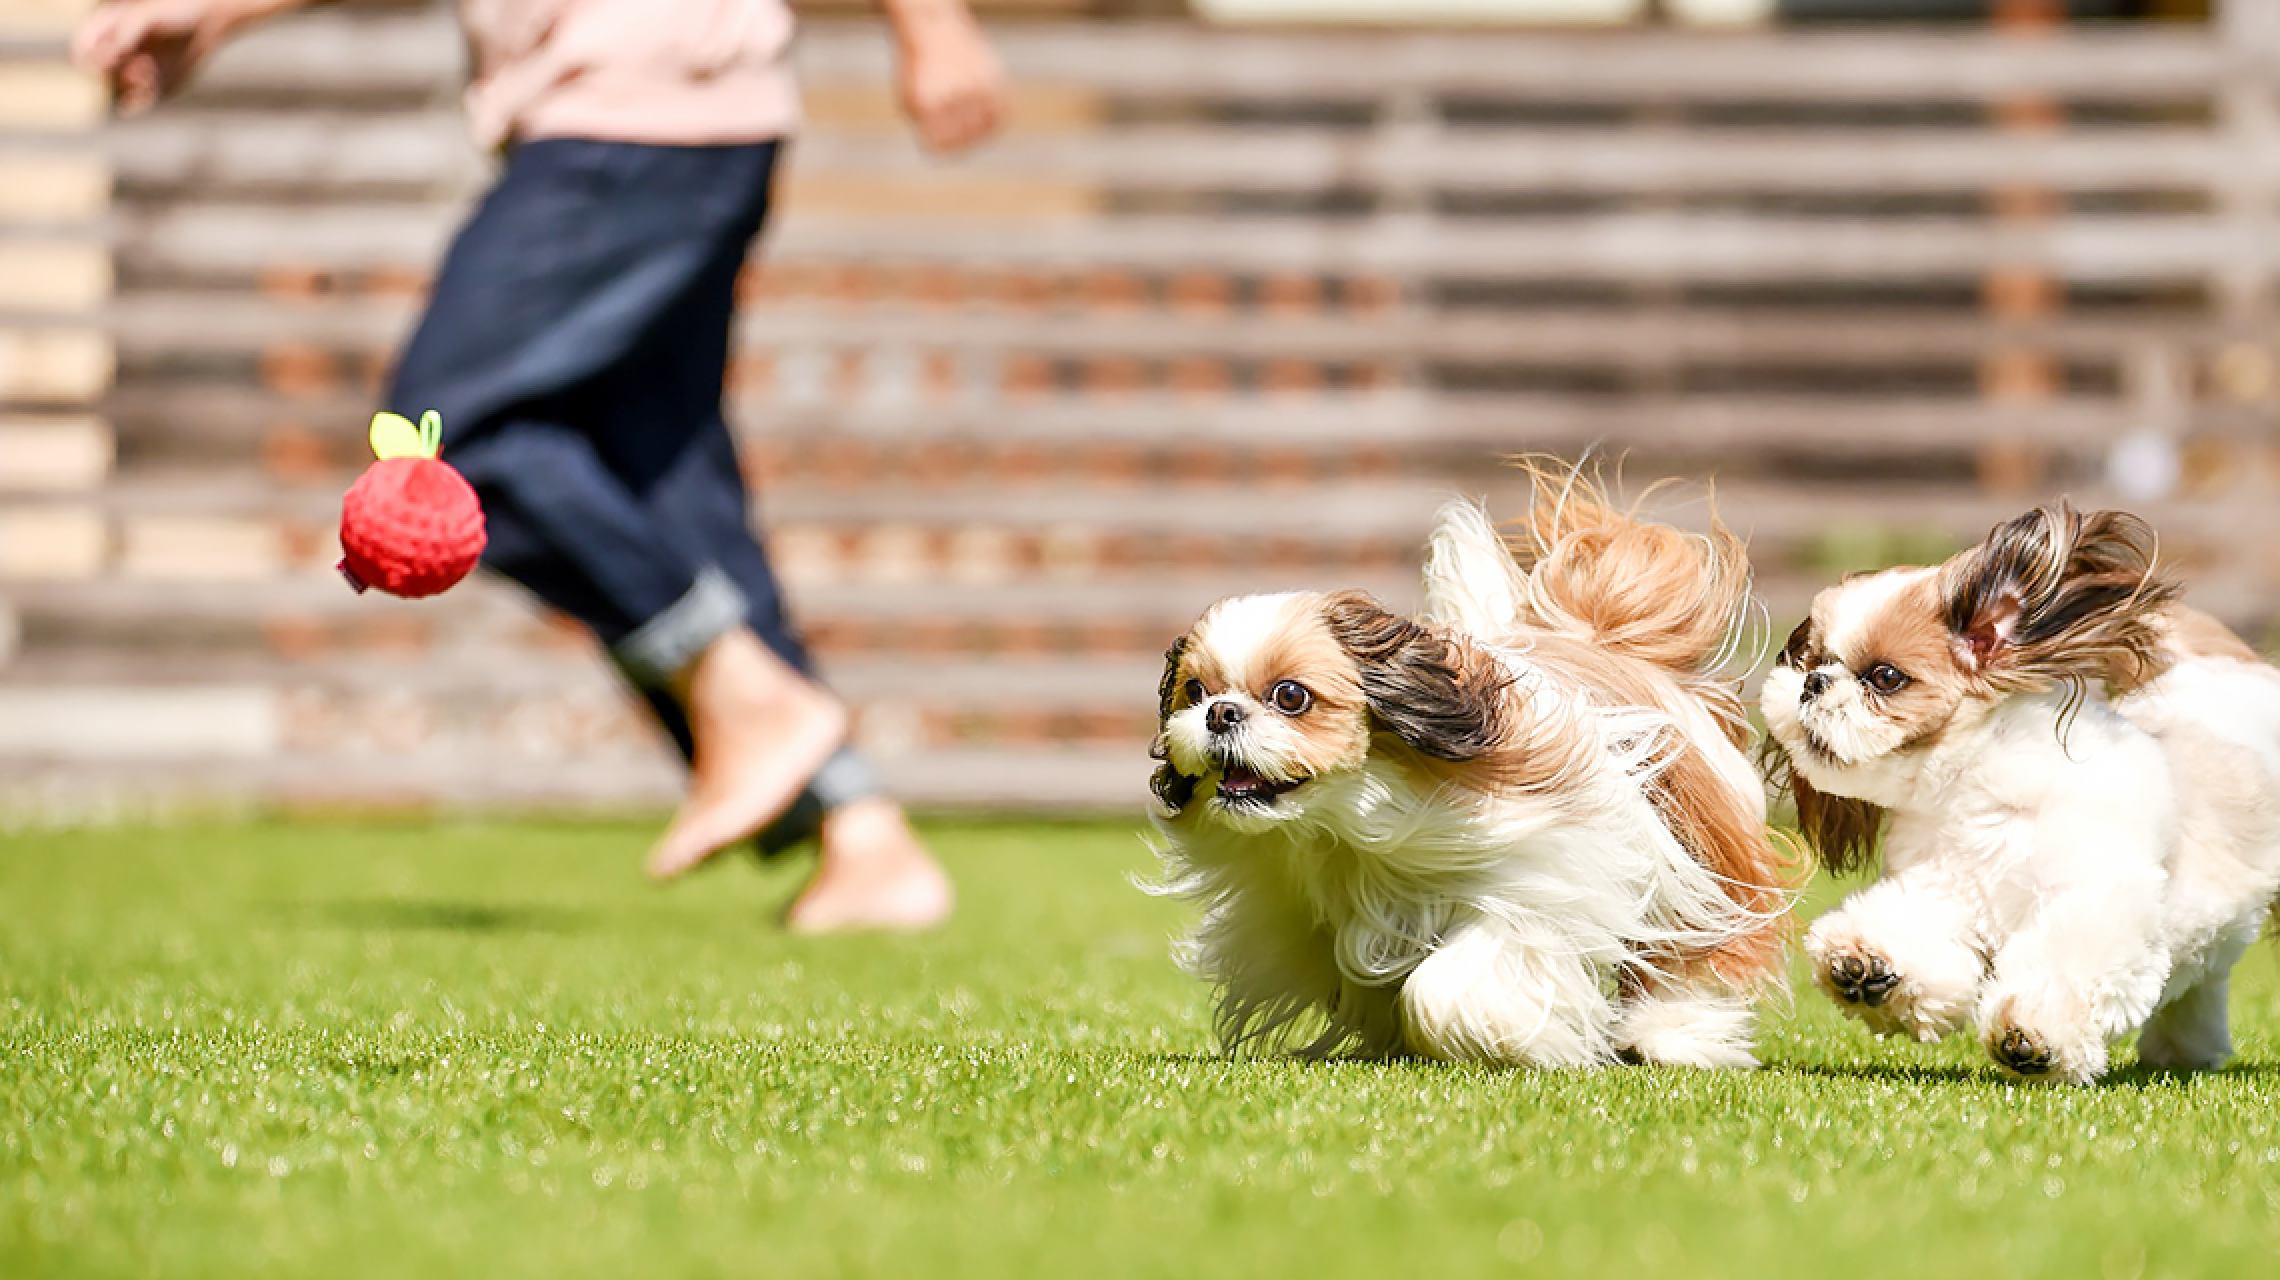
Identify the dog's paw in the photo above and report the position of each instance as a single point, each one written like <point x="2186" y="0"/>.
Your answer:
<point x="2021" y="1052"/>
<point x="1861" y="979"/>
<point x="1867" y="985"/>
<point x="2026" y="1049"/>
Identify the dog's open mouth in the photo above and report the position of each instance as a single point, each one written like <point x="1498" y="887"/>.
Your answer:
<point x="1238" y="785"/>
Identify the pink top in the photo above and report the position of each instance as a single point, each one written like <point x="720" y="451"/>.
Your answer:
<point x="671" y="72"/>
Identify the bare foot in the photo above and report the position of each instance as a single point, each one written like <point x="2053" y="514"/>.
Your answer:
<point x="874" y="874"/>
<point x="762" y="730"/>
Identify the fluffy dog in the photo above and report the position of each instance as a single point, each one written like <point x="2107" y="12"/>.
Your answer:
<point x="1520" y="829"/>
<point x="2082" y="778"/>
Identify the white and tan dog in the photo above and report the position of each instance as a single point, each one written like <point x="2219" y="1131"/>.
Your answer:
<point x="1518" y="830"/>
<point x="2082" y="779"/>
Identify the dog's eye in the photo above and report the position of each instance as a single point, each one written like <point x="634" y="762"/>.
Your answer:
<point x="1192" y="691"/>
<point x="1885" y="678"/>
<point x="1290" y="697"/>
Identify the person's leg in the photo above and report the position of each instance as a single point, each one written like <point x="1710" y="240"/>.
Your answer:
<point x="873" y="872"/>
<point x="559" y="277"/>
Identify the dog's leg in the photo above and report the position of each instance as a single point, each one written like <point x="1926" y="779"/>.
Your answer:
<point x="2191" y="1031"/>
<point x="2087" y="968"/>
<point x="1684" y="1024"/>
<point x="1507" y="993"/>
<point x="1900" y="956"/>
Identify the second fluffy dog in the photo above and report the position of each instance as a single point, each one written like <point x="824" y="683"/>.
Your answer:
<point x="2082" y="778"/>
<point x="1519" y="829"/>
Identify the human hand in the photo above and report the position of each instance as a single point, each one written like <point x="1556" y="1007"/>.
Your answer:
<point x="147" y="49"/>
<point x="951" y="84"/>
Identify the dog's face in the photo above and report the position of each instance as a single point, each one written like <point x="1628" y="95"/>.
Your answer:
<point x="1269" y="694"/>
<point x="1873" y="674"/>
<point x="1889" y="665"/>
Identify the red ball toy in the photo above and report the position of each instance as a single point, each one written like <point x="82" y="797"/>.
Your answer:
<point x="410" y="525"/>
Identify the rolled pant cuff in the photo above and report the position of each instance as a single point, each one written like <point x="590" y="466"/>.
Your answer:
<point x="711" y="608"/>
<point x="844" y="779"/>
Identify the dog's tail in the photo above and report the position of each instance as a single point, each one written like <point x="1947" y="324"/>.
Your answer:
<point x="1581" y="566"/>
<point x="1608" y="583"/>
<point x="1662" y="595"/>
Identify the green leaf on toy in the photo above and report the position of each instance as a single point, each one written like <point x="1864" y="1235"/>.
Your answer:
<point x="431" y="432"/>
<point x="394" y="436"/>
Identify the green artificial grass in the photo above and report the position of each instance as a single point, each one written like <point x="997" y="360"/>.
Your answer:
<point x="351" y="1050"/>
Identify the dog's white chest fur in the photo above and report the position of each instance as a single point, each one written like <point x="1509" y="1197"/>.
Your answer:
<point x="2060" y="881"/>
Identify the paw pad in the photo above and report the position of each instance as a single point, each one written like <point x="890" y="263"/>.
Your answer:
<point x="2022" y="1052"/>
<point x="1860" y="980"/>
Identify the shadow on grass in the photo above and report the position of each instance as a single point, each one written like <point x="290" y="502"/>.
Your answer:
<point x="2132" y="1076"/>
<point x="2141" y="1077"/>
<point x="454" y="917"/>
<point x="1887" y="1072"/>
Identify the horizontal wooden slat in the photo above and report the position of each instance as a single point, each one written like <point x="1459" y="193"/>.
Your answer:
<point x="421" y="52"/>
<point x="222" y="150"/>
<point x="41" y="20"/>
<point x="1767" y="513"/>
<point x="1376" y="509"/>
<point x="498" y="674"/>
<point x="52" y="543"/>
<point x="317" y="148"/>
<point x="49" y="96"/>
<point x="155" y="325"/>
<point x="1632" y="247"/>
<point x="52" y="188"/>
<point x="53" y="454"/>
<point x="98" y="722"/>
<point x="53" y="365"/>
<point x="1173" y="599"/>
<point x="1495" y="423"/>
<point x="1597" y="160"/>
<point x="1398" y="510"/>
<point x="53" y="275"/>
<point x="1056" y="779"/>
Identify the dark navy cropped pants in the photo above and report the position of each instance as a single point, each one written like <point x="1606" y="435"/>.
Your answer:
<point x="575" y="345"/>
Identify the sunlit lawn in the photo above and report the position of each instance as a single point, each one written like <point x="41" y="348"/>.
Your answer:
<point x="352" y="1050"/>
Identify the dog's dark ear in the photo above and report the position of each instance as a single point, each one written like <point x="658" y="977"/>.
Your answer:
<point x="1793" y="649"/>
<point x="2059" y="596"/>
<point x="1171" y="786"/>
<point x="1842" y="832"/>
<point x="1431" y="690"/>
<point x="1169" y="686"/>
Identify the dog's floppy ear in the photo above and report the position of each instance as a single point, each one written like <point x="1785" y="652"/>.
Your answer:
<point x="1434" y="692"/>
<point x="2059" y="596"/>
<point x="1841" y="831"/>
<point x="1169" y="686"/>
<point x="1171" y="786"/>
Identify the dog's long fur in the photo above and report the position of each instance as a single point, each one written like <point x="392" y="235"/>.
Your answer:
<point x="2078" y="781"/>
<point x="1519" y="829"/>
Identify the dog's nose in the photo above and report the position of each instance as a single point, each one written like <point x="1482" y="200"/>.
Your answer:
<point x="1222" y="716"/>
<point x="1815" y="683"/>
